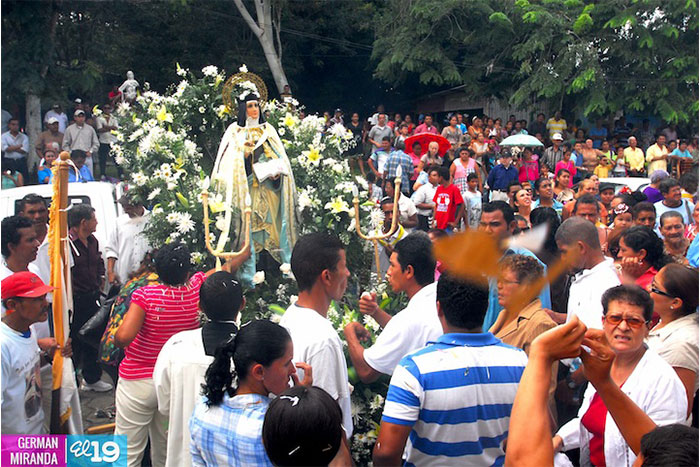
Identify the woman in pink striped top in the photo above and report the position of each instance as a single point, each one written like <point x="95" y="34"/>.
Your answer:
<point x="156" y="313"/>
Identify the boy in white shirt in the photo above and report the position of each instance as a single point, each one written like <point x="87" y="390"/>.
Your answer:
<point x="318" y="264"/>
<point x="472" y="200"/>
<point x="423" y="199"/>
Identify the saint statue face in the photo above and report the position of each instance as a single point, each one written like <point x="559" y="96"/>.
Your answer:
<point x="129" y="75"/>
<point x="252" y="109"/>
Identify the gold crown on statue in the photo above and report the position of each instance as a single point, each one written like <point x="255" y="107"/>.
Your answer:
<point x="241" y="85"/>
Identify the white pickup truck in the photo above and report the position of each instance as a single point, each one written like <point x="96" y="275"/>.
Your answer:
<point x="102" y="196"/>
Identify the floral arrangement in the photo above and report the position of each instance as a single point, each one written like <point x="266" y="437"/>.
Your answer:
<point x="167" y="145"/>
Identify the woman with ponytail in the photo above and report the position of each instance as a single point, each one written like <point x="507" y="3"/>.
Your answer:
<point x="226" y="426"/>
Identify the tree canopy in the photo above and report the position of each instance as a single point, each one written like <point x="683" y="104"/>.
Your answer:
<point x="596" y="57"/>
<point x="326" y="47"/>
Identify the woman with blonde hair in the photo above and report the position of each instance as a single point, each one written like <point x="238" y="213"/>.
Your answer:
<point x="432" y="157"/>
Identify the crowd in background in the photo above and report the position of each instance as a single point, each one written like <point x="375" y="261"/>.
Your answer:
<point x="85" y="136"/>
<point x="519" y="375"/>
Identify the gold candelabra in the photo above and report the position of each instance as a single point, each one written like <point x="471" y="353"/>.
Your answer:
<point x="374" y="238"/>
<point x="246" y="231"/>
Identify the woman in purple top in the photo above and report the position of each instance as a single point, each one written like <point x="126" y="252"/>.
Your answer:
<point x="652" y="191"/>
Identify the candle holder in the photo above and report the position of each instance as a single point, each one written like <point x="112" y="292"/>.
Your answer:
<point x="374" y="238"/>
<point x="246" y="234"/>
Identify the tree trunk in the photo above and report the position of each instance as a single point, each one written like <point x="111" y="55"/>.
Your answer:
<point x="33" y="128"/>
<point x="266" y="29"/>
<point x="273" y="60"/>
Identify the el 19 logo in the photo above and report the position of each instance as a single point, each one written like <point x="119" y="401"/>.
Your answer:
<point x="93" y="450"/>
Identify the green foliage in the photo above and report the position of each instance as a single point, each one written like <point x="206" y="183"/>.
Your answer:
<point x="583" y="23"/>
<point x="499" y="19"/>
<point x="596" y="57"/>
<point x="446" y="43"/>
<point x="28" y="46"/>
<point x="94" y="43"/>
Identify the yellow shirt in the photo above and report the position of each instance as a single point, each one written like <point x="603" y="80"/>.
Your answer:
<point x="635" y="158"/>
<point x="602" y="171"/>
<point x="656" y="151"/>
<point x="555" y="126"/>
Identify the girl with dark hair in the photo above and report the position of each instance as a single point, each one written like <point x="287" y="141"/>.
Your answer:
<point x="544" y="192"/>
<point x="304" y="426"/>
<point x="547" y="215"/>
<point x="641" y="256"/>
<point x="562" y="192"/>
<point x="156" y="313"/>
<point x="675" y="294"/>
<point x="523" y="203"/>
<point x="226" y="425"/>
<point x="621" y="217"/>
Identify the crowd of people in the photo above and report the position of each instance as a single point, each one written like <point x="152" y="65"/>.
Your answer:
<point x="597" y="365"/>
<point x="610" y="148"/>
<point x="87" y="137"/>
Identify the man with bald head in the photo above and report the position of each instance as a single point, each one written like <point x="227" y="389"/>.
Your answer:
<point x="634" y="156"/>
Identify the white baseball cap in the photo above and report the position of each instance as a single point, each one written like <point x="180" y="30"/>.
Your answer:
<point x="52" y="120"/>
<point x="557" y="136"/>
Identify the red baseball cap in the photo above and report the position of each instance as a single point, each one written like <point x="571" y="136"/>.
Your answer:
<point x="23" y="284"/>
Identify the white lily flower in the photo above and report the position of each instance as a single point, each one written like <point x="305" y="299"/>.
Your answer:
<point x="259" y="277"/>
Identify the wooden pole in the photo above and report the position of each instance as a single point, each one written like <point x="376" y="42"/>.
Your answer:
<point x="58" y="236"/>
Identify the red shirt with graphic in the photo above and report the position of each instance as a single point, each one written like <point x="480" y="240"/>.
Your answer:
<point x="446" y="202"/>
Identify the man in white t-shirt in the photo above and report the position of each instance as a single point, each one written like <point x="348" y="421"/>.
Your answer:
<point x="105" y="124"/>
<point x="24" y="297"/>
<point x="185" y="357"/>
<point x="593" y="272"/>
<point x="319" y="266"/>
<point x="127" y="246"/>
<point x="19" y="251"/>
<point x="411" y="270"/>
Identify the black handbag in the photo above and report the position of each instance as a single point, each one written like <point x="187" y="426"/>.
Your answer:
<point x="91" y="332"/>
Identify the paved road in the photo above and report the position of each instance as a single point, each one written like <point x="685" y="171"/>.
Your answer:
<point x="97" y="407"/>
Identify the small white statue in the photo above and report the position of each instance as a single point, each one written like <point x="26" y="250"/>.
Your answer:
<point x="128" y="88"/>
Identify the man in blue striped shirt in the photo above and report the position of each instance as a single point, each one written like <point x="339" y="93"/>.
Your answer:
<point x="449" y="403"/>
